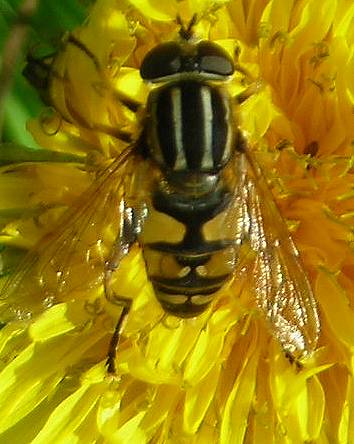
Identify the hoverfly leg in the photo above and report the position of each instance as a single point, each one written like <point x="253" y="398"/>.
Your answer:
<point x="247" y="76"/>
<point x="294" y="361"/>
<point x="76" y="42"/>
<point x="255" y="85"/>
<point x="126" y="238"/>
<point x="127" y="102"/>
<point x="114" y="343"/>
<point x="254" y="88"/>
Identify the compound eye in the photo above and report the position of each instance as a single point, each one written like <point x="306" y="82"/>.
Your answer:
<point x="214" y="59"/>
<point x="162" y="61"/>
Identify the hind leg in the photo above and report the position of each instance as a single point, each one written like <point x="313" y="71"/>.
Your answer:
<point x="115" y="339"/>
<point x="125" y="239"/>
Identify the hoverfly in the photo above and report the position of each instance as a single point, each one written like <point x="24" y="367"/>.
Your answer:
<point x="190" y="193"/>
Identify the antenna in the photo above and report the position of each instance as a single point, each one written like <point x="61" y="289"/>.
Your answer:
<point x="186" y="33"/>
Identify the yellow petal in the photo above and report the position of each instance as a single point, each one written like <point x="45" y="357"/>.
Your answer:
<point x="336" y="308"/>
<point x="238" y="405"/>
<point x="198" y="400"/>
<point x="155" y="9"/>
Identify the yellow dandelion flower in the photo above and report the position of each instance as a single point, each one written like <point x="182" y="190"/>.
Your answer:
<point x="220" y="377"/>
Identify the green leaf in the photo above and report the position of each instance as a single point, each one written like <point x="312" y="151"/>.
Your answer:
<point x="46" y="27"/>
<point x="11" y="153"/>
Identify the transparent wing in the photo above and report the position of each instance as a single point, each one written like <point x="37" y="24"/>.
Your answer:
<point x="280" y="283"/>
<point x="71" y="257"/>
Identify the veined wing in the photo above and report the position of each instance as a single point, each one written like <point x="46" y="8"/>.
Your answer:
<point x="282" y="289"/>
<point x="71" y="257"/>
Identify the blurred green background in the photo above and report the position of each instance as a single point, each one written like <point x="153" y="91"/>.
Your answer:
<point x="40" y="32"/>
<point x="44" y="27"/>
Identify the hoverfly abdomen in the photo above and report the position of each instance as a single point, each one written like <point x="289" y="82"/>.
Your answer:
<point x="183" y="271"/>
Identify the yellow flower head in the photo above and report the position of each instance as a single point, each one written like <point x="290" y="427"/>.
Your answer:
<point x="222" y="376"/>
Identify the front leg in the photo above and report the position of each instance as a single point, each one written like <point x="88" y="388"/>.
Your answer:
<point x="255" y="85"/>
<point x="254" y="88"/>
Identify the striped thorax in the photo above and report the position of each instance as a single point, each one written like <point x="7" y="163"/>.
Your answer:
<point x="189" y="126"/>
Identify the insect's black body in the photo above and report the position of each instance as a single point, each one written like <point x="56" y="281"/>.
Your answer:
<point x="191" y="138"/>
